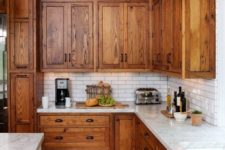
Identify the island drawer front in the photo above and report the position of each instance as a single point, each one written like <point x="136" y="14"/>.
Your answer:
<point x="77" y="137"/>
<point x="86" y="120"/>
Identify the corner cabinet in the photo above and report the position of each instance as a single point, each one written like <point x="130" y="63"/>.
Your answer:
<point x="123" y="35"/>
<point x="67" y="36"/>
<point x="184" y="38"/>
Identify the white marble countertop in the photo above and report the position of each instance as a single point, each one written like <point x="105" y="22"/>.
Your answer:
<point x="21" y="141"/>
<point x="173" y="135"/>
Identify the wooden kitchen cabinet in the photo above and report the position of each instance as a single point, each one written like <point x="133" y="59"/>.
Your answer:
<point x="21" y="35"/>
<point x="76" y="131"/>
<point x="124" y="132"/>
<point x="21" y="103"/>
<point x="184" y="38"/>
<point x="123" y="35"/>
<point x="3" y="7"/>
<point x="67" y="36"/>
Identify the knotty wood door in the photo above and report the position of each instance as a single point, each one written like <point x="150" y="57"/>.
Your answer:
<point x="21" y="50"/>
<point x="21" y="102"/>
<point x="111" y="36"/>
<point x="200" y="38"/>
<point x="54" y="26"/>
<point x="136" y="35"/>
<point x="125" y="132"/>
<point x="175" y="57"/>
<point x="80" y="36"/>
<point x="157" y="51"/>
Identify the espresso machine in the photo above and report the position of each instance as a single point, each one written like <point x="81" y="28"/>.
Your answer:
<point x="61" y="91"/>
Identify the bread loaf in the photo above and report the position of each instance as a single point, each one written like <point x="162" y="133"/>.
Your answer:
<point x="91" y="102"/>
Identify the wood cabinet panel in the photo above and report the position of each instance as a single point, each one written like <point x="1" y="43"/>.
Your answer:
<point x="3" y="6"/>
<point x="111" y="29"/>
<point x="79" y="137"/>
<point x="136" y="35"/>
<point x="124" y="132"/>
<point x="21" y="102"/>
<point x="74" y="120"/>
<point x="54" y="23"/>
<point x="22" y="8"/>
<point x="200" y="38"/>
<point x="81" y="54"/>
<point x="157" y="34"/>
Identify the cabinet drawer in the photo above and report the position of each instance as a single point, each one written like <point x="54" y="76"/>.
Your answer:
<point x="148" y="136"/>
<point x="76" y="137"/>
<point x="74" y="120"/>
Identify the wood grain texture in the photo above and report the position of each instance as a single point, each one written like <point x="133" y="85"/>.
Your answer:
<point x="200" y="38"/>
<point x="111" y="31"/>
<point x="81" y="36"/>
<point x="22" y="102"/>
<point x="54" y="36"/>
<point x="21" y="8"/>
<point x="3" y="6"/>
<point x="124" y="132"/>
<point x="136" y="35"/>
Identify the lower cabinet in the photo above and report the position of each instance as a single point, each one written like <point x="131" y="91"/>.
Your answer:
<point x="96" y="132"/>
<point x="125" y="132"/>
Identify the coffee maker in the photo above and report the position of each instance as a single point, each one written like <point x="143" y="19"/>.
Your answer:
<point x="61" y="90"/>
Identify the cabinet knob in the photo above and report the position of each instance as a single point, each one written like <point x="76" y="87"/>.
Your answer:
<point x="145" y="148"/>
<point x="90" y="120"/>
<point x="59" y="138"/>
<point x="58" y="120"/>
<point x="146" y="135"/>
<point x="90" y="137"/>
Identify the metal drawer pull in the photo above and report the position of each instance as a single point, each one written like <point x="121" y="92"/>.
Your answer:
<point x="58" y="138"/>
<point x="89" y="120"/>
<point x="89" y="137"/>
<point x="58" y="120"/>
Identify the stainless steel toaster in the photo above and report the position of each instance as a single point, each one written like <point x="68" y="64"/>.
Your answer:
<point x="147" y="96"/>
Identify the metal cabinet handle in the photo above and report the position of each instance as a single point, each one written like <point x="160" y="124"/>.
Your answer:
<point x="58" y="120"/>
<point x="89" y="120"/>
<point x="90" y="137"/>
<point x="121" y="59"/>
<point x="59" y="138"/>
<point x="125" y="57"/>
<point x="169" y="58"/>
<point x="65" y="57"/>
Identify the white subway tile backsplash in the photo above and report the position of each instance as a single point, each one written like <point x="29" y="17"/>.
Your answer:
<point x="123" y="84"/>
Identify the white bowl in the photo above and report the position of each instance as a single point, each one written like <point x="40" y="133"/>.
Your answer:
<point x="180" y="117"/>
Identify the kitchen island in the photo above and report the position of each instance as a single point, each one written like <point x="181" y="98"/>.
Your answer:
<point x="21" y="141"/>
<point x="173" y="135"/>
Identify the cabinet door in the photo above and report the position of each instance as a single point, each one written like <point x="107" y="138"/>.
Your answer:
<point x="54" y="32"/>
<point x="166" y="33"/>
<point x="124" y="132"/>
<point x="111" y="29"/>
<point x="175" y="57"/>
<point x="21" y="49"/>
<point x="200" y="38"/>
<point x="2" y="6"/>
<point x="22" y="102"/>
<point x="136" y="35"/>
<point x="157" y="34"/>
<point x="80" y="40"/>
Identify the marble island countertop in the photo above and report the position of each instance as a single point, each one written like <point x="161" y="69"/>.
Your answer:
<point x="21" y="141"/>
<point x="173" y="135"/>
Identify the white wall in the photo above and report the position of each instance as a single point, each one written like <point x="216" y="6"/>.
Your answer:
<point x="123" y="84"/>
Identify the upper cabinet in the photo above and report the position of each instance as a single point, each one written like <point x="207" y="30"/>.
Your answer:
<point x="123" y="35"/>
<point x="184" y="38"/>
<point x="21" y="48"/>
<point x="67" y="36"/>
<point x="200" y="38"/>
<point x="3" y="6"/>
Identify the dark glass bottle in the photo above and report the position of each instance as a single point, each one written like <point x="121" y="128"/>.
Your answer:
<point x="175" y="101"/>
<point x="184" y="102"/>
<point x="178" y="102"/>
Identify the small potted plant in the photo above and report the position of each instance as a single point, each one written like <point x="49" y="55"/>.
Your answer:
<point x="196" y="118"/>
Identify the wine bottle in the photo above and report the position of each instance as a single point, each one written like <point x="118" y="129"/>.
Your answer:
<point x="175" y="99"/>
<point x="184" y="102"/>
<point x="178" y="106"/>
<point x="168" y="99"/>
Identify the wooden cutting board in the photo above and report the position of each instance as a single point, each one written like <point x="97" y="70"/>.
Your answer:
<point x="118" y="105"/>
